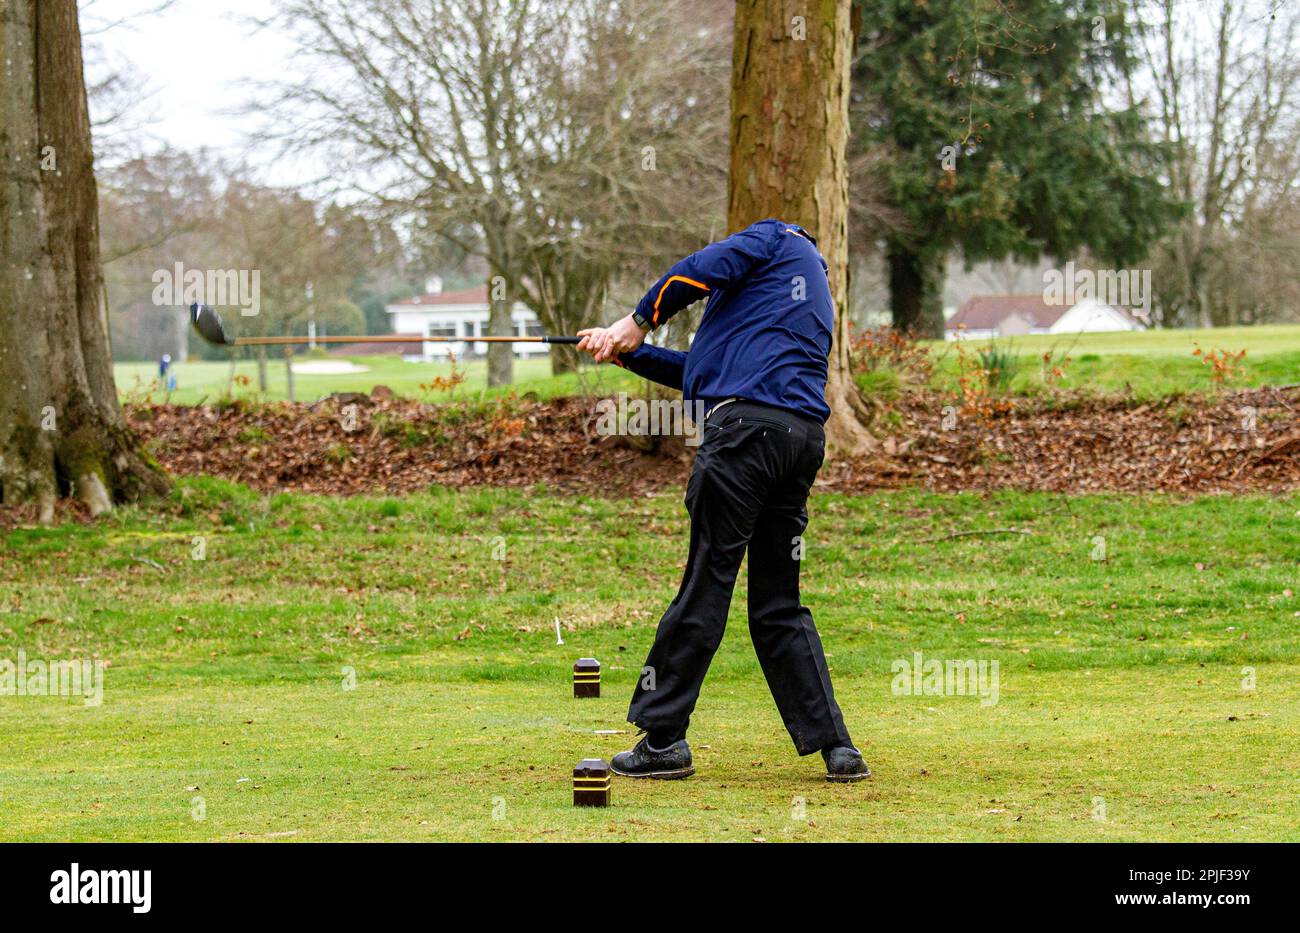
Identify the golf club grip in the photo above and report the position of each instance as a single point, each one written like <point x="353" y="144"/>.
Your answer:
<point x="569" y="340"/>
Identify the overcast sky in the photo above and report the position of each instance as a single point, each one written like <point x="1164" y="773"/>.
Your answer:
<point x="193" y="56"/>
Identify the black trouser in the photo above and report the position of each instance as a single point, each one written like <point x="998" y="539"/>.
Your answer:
<point x="749" y="488"/>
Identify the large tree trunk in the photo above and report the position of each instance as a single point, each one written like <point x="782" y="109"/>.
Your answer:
<point x="564" y="359"/>
<point x="500" y="356"/>
<point x="61" y="429"/>
<point x="579" y="303"/>
<point x="789" y="134"/>
<point x="501" y="304"/>
<point x="263" y="385"/>
<point x="915" y="292"/>
<point x="565" y="295"/>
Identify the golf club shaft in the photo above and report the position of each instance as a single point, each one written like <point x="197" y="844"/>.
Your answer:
<point x="393" y="338"/>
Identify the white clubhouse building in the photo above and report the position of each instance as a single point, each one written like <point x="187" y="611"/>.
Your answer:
<point x="461" y="314"/>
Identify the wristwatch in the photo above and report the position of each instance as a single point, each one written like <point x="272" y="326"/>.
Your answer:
<point x="641" y="322"/>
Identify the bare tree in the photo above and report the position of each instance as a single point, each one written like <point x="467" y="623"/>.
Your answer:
<point x="529" y="120"/>
<point x="1223" y="77"/>
<point x="154" y="211"/>
<point x="637" y="176"/>
<point x="305" y="255"/>
<point x="120" y="95"/>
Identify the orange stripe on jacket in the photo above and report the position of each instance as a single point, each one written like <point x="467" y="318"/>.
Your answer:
<point x="671" y="280"/>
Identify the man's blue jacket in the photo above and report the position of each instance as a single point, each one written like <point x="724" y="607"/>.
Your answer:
<point x="766" y="332"/>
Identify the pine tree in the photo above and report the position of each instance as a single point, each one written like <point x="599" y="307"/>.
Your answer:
<point x="998" y="138"/>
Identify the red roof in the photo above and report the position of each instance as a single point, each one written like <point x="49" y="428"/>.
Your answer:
<point x="986" y="312"/>
<point x="466" y="296"/>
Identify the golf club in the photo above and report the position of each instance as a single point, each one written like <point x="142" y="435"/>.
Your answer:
<point x="207" y="322"/>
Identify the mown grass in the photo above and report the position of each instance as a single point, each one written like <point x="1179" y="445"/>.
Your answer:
<point x="1151" y="695"/>
<point x="1148" y="364"/>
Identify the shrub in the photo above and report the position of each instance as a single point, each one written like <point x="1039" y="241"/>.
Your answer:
<point x="1225" y="366"/>
<point x="999" y="366"/>
<point x="885" y="349"/>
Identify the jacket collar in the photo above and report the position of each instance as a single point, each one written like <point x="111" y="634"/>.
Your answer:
<point x="800" y="231"/>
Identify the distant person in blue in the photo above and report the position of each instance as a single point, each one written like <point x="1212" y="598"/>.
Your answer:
<point x="759" y="363"/>
<point x="165" y="372"/>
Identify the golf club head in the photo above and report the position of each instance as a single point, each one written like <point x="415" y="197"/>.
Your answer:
<point x="207" y="322"/>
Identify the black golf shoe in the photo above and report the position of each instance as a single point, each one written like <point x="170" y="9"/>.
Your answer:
<point x="671" y="764"/>
<point x="845" y="764"/>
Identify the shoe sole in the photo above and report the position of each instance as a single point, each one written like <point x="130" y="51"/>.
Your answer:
<point x="657" y="775"/>
<point x="847" y="778"/>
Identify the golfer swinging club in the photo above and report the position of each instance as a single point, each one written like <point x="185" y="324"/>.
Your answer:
<point x="758" y="363"/>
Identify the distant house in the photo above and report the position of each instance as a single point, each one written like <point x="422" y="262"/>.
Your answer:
<point x="986" y="316"/>
<point x="461" y="314"/>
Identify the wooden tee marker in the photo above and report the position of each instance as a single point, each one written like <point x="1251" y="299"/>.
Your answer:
<point x="586" y="677"/>
<point x="591" y="783"/>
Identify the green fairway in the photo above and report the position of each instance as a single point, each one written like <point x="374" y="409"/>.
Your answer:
<point x="1270" y="338"/>
<point x="1150" y="364"/>
<point x="384" y="668"/>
